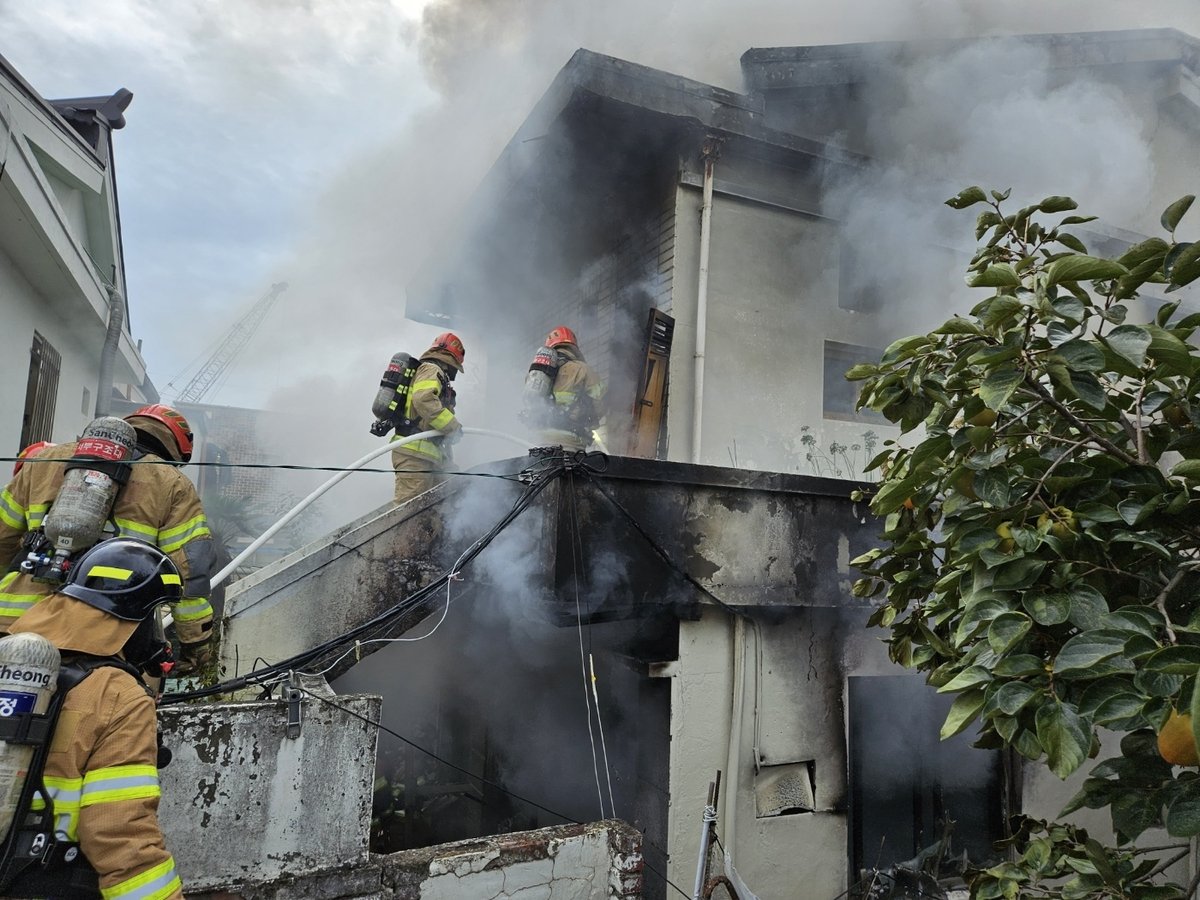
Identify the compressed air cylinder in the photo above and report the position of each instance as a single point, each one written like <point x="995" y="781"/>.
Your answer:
<point x="381" y="407"/>
<point x="28" y="678"/>
<point x="76" y="518"/>
<point x="539" y="382"/>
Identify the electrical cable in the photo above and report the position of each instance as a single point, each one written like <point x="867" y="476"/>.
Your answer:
<point x="576" y="536"/>
<point x="286" y="466"/>
<point x="316" y="655"/>
<point x="661" y="552"/>
<point x="587" y="702"/>
<point x="492" y="784"/>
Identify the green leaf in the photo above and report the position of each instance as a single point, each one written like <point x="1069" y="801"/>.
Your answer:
<point x="1173" y="213"/>
<point x="1064" y="735"/>
<point x="1048" y="609"/>
<point x="1006" y="630"/>
<point x="861" y="371"/>
<point x="1081" y="356"/>
<point x="967" y="197"/>
<point x="1086" y="650"/>
<point x="1069" y="308"/>
<point x="1078" y="267"/>
<point x="999" y="385"/>
<point x="1183" y="659"/>
<point x="1069" y="240"/>
<point x="962" y="713"/>
<point x="1088" y="607"/>
<point x="1117" y="708"/>
<point x="996" y="276"/>
<point x="1057" y="204"/>
<point x="1183" y="267"/>
<point x="1088" y="389"/>
<point x="1168" y="350"/>
<point x="1011" y="697"/>
<point x="1130" y="341"/>
<point x="970" y="677"/>
<point x="1183" y="814"/>
<point x="957" y="325"/>
<point x="1019" y="666"/>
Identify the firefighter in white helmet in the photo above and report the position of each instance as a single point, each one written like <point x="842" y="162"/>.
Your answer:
<point x="101" y="772"/>
<point x="430" y="407"/>
<point x="158" y="504"/>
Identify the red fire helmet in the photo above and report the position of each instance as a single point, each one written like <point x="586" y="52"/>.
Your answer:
<point x="560" y="335"/>
<point x="175" y="423"/>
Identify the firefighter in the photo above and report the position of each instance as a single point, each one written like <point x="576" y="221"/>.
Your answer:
<point x="158" y="504"/>
<point x="29" y="453"/>
<point x="573" y="411"/>
<point x="430" y="407"/>
<point x="101" y="772"/>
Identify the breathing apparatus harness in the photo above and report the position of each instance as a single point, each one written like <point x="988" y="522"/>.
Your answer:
<point x="392" y="401"/>
<point x="43" y="861"/>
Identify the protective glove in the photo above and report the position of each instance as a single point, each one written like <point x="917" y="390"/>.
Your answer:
<point x="453" y="433"/>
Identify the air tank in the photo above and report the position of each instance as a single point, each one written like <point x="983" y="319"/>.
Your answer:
<point x="28" y="679"/>
<point x="539" y="385"/>
<point x="385" y="407"/>
<point x="76" y="519"/>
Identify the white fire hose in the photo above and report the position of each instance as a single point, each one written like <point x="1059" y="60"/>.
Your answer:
<point x="357" y="464"/>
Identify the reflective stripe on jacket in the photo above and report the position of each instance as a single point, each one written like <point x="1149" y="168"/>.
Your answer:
<point x="158" y="505"/>
<point x="431" y="407"/>
<point x="102" y="778"/>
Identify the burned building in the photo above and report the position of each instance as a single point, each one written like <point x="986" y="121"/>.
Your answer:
<point x="681" y="606"/>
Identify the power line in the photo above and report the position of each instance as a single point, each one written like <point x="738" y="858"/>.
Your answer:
<point x="492" y="784"/>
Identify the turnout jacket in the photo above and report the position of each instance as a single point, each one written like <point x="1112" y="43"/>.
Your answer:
<point x="158" y="505"/>
<point x="576" y="393"/>
<point x="101" y="772"/>
<point x="431" y="405"/>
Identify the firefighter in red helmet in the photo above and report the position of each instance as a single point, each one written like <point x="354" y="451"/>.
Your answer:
<point x="158" y="504"/>
<point x="429" y="407"/>
<point x="567" y="410"/>
<point x="29" y="453"/>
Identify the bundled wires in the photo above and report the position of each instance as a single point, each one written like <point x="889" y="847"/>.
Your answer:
<point x="327" y="656"/>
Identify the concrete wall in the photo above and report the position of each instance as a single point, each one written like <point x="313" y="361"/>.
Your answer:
<point x="772" y="304"/>
<point x="786" y="706"/>
<point x="243" y="803"/>
<point x="600" y="861"/>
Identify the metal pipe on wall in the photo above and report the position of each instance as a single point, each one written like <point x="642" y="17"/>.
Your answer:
<point x="116" y="317"/>
<point x="733" y="756"/>
<point x="709" y="152"/>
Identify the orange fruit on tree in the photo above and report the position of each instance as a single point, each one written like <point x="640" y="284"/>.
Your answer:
<point x="1176" y="743"/>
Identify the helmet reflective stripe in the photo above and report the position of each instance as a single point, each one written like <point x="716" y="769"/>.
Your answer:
<point x="109" y="572"/>
<point x="167" y="578"/>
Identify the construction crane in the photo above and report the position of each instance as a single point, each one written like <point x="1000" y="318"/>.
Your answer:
<point x="231" y="345"/>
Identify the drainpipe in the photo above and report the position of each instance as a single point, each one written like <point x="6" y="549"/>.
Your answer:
<point x="733" y="756"/>
<point x="710" y="151"/>
<point x="116" y="316"/>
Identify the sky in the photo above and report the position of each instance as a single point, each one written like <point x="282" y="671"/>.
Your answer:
<point x="333" y="144"/>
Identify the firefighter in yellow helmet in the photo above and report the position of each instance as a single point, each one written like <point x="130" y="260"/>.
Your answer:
<point x="101" y="771"/>
<point x="430" y="407"/>
<point x="158" y="504"/>
<point x="571" y="412"/>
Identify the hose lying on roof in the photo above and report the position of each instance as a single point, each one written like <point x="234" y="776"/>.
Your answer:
<point x="537" y="477"/>
<point x="357" y="464"/>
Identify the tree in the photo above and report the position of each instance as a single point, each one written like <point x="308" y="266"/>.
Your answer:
<point x="1041" y="536"/>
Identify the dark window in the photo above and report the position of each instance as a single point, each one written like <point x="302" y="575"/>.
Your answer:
<point x="857" y="288"/>
<point x="906" y="784"/>
<point x="839" y="394"/>
<point x="40" y="392"/>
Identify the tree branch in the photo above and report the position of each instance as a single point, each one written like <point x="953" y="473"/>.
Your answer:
<point x="1079" y="424"/>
